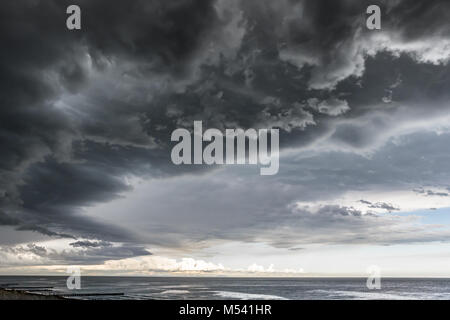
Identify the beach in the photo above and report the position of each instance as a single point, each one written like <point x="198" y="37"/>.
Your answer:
<point x="8" y="294"/>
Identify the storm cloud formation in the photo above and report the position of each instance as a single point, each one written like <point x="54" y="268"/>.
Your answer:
<point x="84" y="113"/>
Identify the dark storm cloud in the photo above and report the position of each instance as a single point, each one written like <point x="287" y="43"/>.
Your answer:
<point x="331" y="35"/>
<point x="417" y="20"/>
<point x="83" y="110"/>
<point x="44" y="61"/>
<point x="6" y="220"/>
<point x="23" y="225"/>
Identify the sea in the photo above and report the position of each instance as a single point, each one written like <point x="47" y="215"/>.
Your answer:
<point x="205" y="288"/>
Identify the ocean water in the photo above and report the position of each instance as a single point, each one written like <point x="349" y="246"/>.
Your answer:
<point x="140" y="288"/>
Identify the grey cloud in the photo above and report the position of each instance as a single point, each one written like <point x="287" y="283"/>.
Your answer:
<point x="90" y="244"/>
<point x="335" y="224"/>
<point x="38" y="250"/>
<point x="430" y="192"/>
<point x="439" y="194"/>
<point x="380" y="205"/>
<point x="87" y="255"/>
<point x="6" y="220"/>
<point x="331" y="36"/>
<point x="23" y="225"/>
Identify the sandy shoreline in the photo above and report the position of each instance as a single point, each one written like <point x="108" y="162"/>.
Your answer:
<point x="22" y="295"/>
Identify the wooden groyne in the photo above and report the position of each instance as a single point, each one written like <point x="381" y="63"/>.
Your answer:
<point x="31" y="293"/>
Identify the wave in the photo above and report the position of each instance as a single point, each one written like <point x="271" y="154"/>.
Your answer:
<point x="247" y="296"/>
<point x="178" y="286"/>
<point x="362" y="295"/>
<point x="175" y="292"/>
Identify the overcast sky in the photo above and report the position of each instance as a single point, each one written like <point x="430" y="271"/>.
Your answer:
<point x="86" y="117"/>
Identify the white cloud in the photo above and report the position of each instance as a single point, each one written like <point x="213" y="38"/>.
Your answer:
<point x="332" y="107"/>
